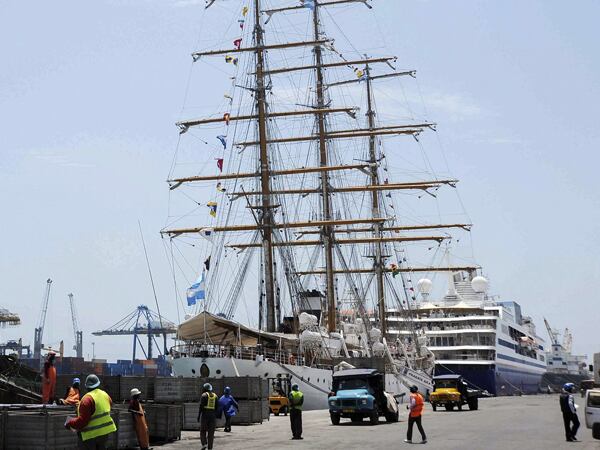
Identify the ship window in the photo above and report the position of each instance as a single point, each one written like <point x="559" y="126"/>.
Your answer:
<point x="194" y="371"/>
<point x="218" y="371"/>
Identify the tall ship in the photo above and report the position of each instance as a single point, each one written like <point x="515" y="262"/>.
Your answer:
<point x="295" y="204"/>
<point x="491" y="343"/>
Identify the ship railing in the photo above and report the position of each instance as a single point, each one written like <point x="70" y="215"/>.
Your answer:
<point x="240" y="352"/>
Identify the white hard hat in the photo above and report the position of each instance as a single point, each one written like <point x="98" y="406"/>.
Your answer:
<point x="135" y="391"/>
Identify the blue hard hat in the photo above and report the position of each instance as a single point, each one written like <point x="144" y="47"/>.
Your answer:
<point x="227" y="390"/>
<point x="76" y="381"/>
<point x="568" y="386"/>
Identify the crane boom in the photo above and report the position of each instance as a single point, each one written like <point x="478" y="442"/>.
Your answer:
<point x="39" y="331"/>
<point x="78" y="347"/>
<point x="553" y="333"/>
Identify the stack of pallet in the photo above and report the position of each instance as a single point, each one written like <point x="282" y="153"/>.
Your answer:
<point x="251" y="393"/>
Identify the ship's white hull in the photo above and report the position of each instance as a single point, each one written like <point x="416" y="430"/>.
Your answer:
<point x="314" y="382"/>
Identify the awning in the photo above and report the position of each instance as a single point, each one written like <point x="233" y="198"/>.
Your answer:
<point x="220" y="331"/>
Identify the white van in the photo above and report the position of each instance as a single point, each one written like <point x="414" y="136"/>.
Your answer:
<point x="592" y="411"/>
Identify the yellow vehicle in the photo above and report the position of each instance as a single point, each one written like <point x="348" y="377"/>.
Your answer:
<point x="278" y="399"/>
<point x="452" y="390"/>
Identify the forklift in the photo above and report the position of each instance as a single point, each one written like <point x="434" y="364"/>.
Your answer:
<point x="281" y="387"/>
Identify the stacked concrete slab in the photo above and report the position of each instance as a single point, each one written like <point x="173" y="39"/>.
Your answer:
<point x="43" y="429"/>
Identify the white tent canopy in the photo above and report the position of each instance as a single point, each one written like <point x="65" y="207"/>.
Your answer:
<point x="220" y="331"/>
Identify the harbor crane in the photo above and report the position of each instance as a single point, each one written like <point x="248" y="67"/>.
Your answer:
<point x="39" y="331"/>
<point x="78" y="347"/>
<point x="142" y="321"/>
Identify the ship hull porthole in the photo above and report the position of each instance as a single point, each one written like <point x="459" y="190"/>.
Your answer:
<point x="204" y="371"/>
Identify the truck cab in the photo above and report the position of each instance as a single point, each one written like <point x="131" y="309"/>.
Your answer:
<point x="452" y="390"/>
<point x="360" y="393"/>
<point x="592" y="411"/>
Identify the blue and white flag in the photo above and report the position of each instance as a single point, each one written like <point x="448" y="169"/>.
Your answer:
<point x="197" y="291"/>
<point x="310" y="4"/>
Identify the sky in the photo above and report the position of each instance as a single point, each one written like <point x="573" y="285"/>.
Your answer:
<point x="90" y="92"/>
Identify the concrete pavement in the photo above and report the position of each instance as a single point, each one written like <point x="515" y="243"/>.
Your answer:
<point x="528" y="422"/>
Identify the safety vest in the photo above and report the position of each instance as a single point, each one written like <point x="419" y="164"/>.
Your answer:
<point x="418" y="409"/>
<point x="212" y="401"/>
<point x="101" y="423"/>
<point x="296" y="397"/>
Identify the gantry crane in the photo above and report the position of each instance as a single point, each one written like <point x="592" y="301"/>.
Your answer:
<point x="139" y="322"/>
<point x="39" y="331"/>
<point x="78" y="347"/>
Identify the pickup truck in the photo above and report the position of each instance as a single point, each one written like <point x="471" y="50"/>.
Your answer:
<point x="592" y="411"/>
<point x="452" y="390"/>
<point x="360" y="393"/>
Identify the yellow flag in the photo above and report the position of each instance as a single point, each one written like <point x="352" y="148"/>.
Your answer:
<point x="244" y="11"/>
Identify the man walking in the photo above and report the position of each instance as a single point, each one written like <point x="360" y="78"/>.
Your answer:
<point x="416" y="410"/>
<point x="207" y="416"/>
<point x="569" y="412"/>
<point x="229" y="406"/>
<point x="93" y="419"/>
<point x="296" y="399"/>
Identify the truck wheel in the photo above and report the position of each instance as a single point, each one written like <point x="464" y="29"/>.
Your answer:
<point x="335" y="418"/>
<point x="356" y="419"/>
<point x="284" y="410"/>
<point x="392" y="417"/>
<point x="449" y="406"/>
<point x="434" y="406"/>
<point x="474" y="404"/>
<point x="596" y="430"/>
<point x="374" y="417"/>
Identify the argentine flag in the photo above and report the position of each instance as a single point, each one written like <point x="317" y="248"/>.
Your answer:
<point x="197" y="291"/>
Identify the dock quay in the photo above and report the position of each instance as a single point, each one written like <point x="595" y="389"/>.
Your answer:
<point x="502" y="423"/>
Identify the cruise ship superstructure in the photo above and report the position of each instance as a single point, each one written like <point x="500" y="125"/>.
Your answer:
<point x="491" y="343"/>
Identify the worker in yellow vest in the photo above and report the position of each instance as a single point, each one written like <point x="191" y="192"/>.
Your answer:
<point x="296" y="399"/>
<point x="93" y="421"/>
<point x="207" y="416"/>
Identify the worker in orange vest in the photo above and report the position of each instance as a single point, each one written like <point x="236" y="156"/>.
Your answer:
<point x="73" y="394"/>
<point x="49" y="379"/>
<point x="416" y="410"/>
<point x="139" y="419"/>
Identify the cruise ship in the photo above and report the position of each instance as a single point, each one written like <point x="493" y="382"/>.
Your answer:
<point x="491" y="343"/>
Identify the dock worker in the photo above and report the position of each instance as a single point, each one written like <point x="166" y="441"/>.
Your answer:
<point x="416" y="410"/>
<point x="49" y="379"/>
<point x="569" y="412"/>
<point x="139" y="419"/>
<point x="207" y="416"/>
<point x="93" y="421"/>
<point x="296" y="399"/>
<point x="229" y="406"/>
<point x="73" y="394"/>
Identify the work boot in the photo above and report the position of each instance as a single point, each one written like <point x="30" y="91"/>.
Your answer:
<point x="424" y="441"/>
<point x="408" y="441"/>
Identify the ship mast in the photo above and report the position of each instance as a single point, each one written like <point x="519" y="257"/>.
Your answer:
<point x="265" y="184"/>
<point x="327" y="230"/>
<point x="378" y="261"/>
